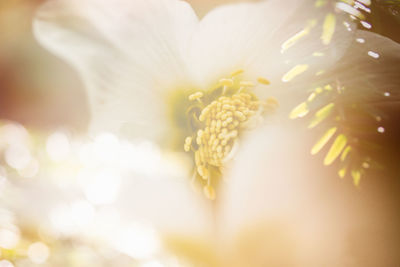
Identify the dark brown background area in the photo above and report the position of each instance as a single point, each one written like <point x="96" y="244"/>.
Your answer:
<point x="36" y="88"/>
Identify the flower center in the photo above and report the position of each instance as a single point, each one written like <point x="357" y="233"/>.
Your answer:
<point x="219" y="117"/>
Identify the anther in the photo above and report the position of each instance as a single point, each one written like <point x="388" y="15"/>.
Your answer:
<point x="195" y="96"/>
<point x="203" y="172"/>
<point x="263" y="81"/>
<point x="209" y="192"/>
<point x="247" y="84"/>
<point x="240" y="116"/>
<point x="188" y="140"/>
<point x="235" y="73"/>
<point x="197" y="158"/>
<point x="198" y="140"/>
<point x="188" y="143"/>
<point x="226" y="82"/>
<point x="271" y="103"/>
<point x="222" y="121"/>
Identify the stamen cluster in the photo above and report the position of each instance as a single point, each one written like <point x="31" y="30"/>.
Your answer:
<point x="222" y="121"/>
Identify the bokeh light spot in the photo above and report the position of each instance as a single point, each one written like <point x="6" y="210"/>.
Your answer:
<point x="9" y="238"/>
<point x="138" y="241"/>
<point x="6" y="263"/>
<point x="17" y="156"/>
<point x="58" y="146"/>
<point x="38" y="252"/>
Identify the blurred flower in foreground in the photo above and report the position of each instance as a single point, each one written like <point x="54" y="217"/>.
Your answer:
<point x="119" y="205"/>
<point x="154" y="69"/>
<point x="282" y="216"/>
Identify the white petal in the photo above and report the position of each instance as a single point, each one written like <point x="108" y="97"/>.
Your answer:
<point x="250" y="37"/>
<point x="312" y="216"/>
<point x="227" y="35"/>
<point x="168" y="204"/>
<point x="128" y="53"/>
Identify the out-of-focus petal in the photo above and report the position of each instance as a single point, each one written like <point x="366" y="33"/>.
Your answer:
<point x="128" y="53"/>
<point x="285" y="209"/>
<point x="182" y="217"/>
<point x="167" y="203"/>
<point x="163" y="204"/>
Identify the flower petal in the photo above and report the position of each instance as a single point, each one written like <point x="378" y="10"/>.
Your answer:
<point x="277" y="197"/>
<point x="163" y="202"/>
<point x="128" y="53"/>
<point x="268" y="39"/>
<point x="168" y="203"/>
<point x="227" y="36"/>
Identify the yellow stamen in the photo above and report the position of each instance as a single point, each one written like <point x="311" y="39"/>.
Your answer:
<point x="320" y="3"/>
<point x="295" y="71"/>
<point x="328" y="28"/>
<point x="203" y="172"/>
<point x="235" y="73"/>
<point x="209" y="192"/>
<point x="263" y="81"/>
<point x="299" y="111"/>
<point x="247" y="84"/>
<point x="318" y="54"/>
<point x="296" y="37"/>
<point x="188" y="143"/>
<point x="271" y="103"/>
<point x="221" y="121"/>
<point x="195" y="96"/>
<point x="188" y="140"/>
<point x="226" y="82"/>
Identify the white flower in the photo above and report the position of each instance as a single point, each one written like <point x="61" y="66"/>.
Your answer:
<point x="279" y="208"/>
<point x="153" y="69"/>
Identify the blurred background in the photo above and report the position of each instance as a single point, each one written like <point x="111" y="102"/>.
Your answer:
<point x="43" y="105"/>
